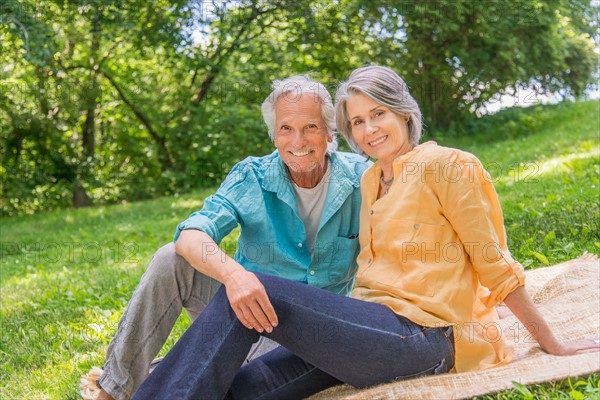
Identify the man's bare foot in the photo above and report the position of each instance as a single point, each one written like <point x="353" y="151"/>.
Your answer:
<point x="103" y="395"/>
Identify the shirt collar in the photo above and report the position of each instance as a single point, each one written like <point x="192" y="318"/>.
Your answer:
<point x="276" y="176"/>
<point x="375" y="170"/>
<point x="342" y="182"/>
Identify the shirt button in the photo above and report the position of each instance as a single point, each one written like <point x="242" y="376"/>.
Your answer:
<point x="369" y="261"/>
<point x="416" y="226"/>
<point x="372" y="212"/>
<point x="299" y="244"/>
<point x="312" y="272"/>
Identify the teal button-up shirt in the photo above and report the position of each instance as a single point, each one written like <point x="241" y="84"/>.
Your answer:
<point x="257" y="194"/>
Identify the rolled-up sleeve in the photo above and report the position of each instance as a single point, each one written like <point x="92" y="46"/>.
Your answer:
<point x="219" y="215"/>
<point x="475" y="214"/>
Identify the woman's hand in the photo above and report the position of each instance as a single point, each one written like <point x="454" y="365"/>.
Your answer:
<point x="521" y="305"/>
<point x="574" y="347"/>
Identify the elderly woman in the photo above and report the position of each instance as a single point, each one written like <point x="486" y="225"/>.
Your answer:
<point x="432" y="266"/>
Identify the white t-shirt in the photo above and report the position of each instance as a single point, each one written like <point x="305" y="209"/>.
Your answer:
<point x="311" y="202"/>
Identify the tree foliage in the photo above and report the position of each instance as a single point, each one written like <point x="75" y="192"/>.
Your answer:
<point x="103" y="101"/>
<point x="457" y="55"/>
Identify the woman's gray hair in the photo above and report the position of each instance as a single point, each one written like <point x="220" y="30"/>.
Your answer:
<point x="293" y="88"/>
<point x="385" y="87"/>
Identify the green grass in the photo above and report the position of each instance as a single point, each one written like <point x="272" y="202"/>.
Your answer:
<point x="66" y="276"/>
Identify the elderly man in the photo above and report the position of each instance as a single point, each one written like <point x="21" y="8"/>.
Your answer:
<point x="298" y="209"/>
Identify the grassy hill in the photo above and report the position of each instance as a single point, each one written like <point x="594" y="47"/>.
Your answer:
<point x="66" y="276"/>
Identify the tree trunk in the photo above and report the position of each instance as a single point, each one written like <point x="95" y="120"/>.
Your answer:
<point x="80" y="196"/>
<point x="89" y="126"/>
<point x="88" y="142"/>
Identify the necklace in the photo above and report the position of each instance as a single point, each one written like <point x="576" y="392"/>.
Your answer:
<point x="387" y="184"/>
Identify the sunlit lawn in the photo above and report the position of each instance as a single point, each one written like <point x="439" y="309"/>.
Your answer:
<point x="66" y="276"/>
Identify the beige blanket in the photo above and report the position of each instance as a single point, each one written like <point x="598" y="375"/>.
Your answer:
<point x="568" y="296"/>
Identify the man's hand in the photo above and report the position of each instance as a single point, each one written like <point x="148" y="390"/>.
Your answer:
<point x="249" y="301"/>
<point x="247" y="296"/>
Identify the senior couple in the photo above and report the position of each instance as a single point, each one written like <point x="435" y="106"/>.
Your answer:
<point x="410" y="311"/>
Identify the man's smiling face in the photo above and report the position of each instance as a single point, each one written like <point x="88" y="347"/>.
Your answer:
<point x="301" y="133"/>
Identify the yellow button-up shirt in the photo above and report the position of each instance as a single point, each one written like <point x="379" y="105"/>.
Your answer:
<point x="434" y="250"/>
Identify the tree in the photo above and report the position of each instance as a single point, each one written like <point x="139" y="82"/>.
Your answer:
<point x="105" y="100"/>
<point x="116" y="67"/>
<point x="457" y="55"/>
<point x="55" y="56"/>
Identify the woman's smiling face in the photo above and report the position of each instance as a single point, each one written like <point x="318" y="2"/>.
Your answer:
<point x="379" y="132"/>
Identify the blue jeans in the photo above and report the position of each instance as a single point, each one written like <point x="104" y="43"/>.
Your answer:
<point x="169" y="284"/>
<point x="329" y="339"/>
